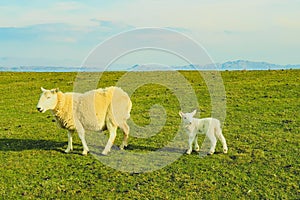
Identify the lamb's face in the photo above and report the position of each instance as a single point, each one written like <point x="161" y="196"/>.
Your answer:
<point x="48" y="100"/>
<point x="187" y="117"/>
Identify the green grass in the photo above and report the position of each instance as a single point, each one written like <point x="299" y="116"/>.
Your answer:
<point x="261" y="128"/>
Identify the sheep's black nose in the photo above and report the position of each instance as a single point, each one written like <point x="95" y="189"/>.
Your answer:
<point x="39" y="109"/>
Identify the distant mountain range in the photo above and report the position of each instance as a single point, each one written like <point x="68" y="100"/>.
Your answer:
<point x="250" y="65"/>
<point x="240" y="65"/>
<point x="230" y="65"/>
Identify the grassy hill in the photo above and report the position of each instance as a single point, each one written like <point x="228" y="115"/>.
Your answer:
<point x="261" y="128"/>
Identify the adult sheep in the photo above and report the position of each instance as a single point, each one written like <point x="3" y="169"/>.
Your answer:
<point x="94" y="110"/>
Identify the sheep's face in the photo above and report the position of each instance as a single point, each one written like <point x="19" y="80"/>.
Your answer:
<point x="187" y="117"/>
<point x="48" y="100"/>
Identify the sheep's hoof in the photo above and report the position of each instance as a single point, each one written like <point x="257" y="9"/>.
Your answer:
<point x="211" y="153"/>
<point x="122" y="146"/>
<point x="84" y="153"/>
<point x="104" y="153"/>
<point x="197" y="149"/>
<point x="67" y="150"/>
<point x="225" y="150"/>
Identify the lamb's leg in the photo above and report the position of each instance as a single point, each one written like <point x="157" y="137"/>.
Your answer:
<point x="125" y="129"/>
<point x="197" y="148"/>
<point x="112" y="135"/>
<point x="222" y="139"/>
<point x="70" y="146"/>
<point x="213" y="141"/>
<point x="81" y="133"/>
<point x="191" y="140"/>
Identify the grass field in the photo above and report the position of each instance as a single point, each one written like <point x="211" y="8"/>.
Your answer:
<point x="261" y="128"/>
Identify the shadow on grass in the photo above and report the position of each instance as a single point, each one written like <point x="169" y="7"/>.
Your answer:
<point x="139" y="148"/>
<point x="29" y="144"/>
<point x="147" y="148"/>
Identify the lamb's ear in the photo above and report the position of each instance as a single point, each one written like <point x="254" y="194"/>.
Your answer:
<point x="194" y="112"/>
<point x="43" y="89"/>
<point x="180" y="113"/>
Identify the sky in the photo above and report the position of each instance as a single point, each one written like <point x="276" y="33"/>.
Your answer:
<point x="64" y="33"/>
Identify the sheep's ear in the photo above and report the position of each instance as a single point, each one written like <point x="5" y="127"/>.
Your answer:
<point x="194" y="112"/>
<point x="53" y="91"/>
<point x="43" y="89"/>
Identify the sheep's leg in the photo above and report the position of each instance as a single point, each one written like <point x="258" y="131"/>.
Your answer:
<point x="81" y="134"/>
<point x="197" y="148"/>
<point x="85" y="147"/>
<point x="70" y="146"/>
<point x="191" y="139"/>
<point x="112" y="135"/>
<point x="125" y="129"/>
<point x="213" y="141"/>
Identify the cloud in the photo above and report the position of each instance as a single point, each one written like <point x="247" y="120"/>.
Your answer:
<point x="36" y="33"/>
<point x="115" y="26"/>
<point x="228" y="29"/>
<point x="68" y="6"/>
<point x="60" y="42"/>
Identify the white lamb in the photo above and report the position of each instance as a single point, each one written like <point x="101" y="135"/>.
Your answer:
<point x="209" y="126"/>
<point x="95" y="110"/>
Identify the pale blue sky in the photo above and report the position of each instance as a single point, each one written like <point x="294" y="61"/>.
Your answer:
<point x="60" y="33"/>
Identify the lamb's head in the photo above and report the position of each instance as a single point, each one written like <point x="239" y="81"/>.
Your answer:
<point x="48" y="100"/>
<point x="187" y="117"/>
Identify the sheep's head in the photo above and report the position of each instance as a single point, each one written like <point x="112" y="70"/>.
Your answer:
<point x="48" y="100"/>
<point x="187" y="117"/>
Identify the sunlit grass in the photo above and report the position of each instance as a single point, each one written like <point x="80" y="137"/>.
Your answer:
<point x="261" y="128"/>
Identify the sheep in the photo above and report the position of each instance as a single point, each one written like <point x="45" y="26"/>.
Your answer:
<point x="95" y="110"/>
<point x="209" y="126"/>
